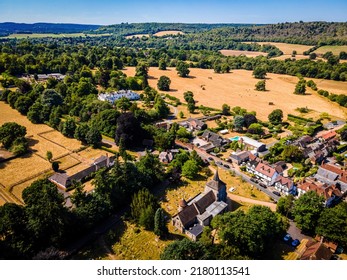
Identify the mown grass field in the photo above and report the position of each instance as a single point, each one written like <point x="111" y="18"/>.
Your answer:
<point x="238" y="89"/>
<point x="245" y="53"/>
<point x="168" y="32"/>
<point x="287" y="48"/>
<point x="334" y="49"/>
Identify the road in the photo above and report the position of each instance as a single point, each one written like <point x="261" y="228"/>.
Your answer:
<point x="235" y="197"/>
<point x="236" y="170"/>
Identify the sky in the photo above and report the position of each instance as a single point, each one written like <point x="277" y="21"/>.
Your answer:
<point x="106" y="12"/>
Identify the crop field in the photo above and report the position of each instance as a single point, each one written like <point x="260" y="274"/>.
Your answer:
<point x="17" y="174"/>
<point x="168" y="32"/>
<point x="245" y="53"/>
<point x="334" y="49"/>
<point x="237" y="89"/>
<point x="52" y="35"/>
<point x="136" y="36"/>
<point x="287" y="48"/>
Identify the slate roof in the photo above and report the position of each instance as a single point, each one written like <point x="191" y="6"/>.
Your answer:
<point x="240" y="156"/>
<point x="196" y="230"/>
<point x="204" y="202"/>
<point x="188" y="215"/>
<point x="215" y="183"/>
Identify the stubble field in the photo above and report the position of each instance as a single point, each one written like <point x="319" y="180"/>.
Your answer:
<point x="237" y="89"/>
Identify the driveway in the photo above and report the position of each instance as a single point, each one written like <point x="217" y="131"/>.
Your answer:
<point x="295" y="232"/>
<point x="235" y="197"/>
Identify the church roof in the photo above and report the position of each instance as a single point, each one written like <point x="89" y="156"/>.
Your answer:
<point x="216" y="183"/>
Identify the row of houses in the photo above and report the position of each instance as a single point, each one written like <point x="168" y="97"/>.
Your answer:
<point x="112" y="97"/>
<point x="44" y="77"/>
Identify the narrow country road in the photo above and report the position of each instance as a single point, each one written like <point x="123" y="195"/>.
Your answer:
<point x="235" y="197"/>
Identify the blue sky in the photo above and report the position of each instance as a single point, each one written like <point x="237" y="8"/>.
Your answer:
<point x="188" y="11"/>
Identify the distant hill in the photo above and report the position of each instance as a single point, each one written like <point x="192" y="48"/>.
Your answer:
<point x="7" y="28"/>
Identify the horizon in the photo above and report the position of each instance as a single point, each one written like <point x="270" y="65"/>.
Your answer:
<point x="108" y="12"/>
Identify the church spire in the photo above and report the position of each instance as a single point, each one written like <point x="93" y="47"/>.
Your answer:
<point x="216" y="176"/>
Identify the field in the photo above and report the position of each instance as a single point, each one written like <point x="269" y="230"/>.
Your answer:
<point x="287" y="48"/>
<point x="40" y="35"/>
<point x="16" y="174"/>
<point x="238" y="53"/>
<point x="168" y="32"/>
<point x="137" y="36"/>
<point x="237" y="89"/>
<point x="334" y="49"/>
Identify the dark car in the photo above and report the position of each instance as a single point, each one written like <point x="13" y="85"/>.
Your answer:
<point x="226" y="166"/>
<point x="287" y="238"/>
<point x="295" y="242"/>
<point x="276" y="193"/>
<point x="210" y="159"/>
<point x="262" y="185"/>
<point x="254" y="180"/>
<point x="219" y="163"/>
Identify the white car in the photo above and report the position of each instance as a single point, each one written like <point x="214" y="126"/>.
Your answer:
<point x="231" y="189"/>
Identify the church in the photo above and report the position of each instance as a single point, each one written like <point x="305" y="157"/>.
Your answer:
<point x="199" y="211"/>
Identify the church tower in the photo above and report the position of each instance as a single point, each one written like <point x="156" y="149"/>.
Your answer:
<point x="218" y="187"/>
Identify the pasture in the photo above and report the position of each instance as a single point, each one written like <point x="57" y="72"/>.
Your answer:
<point x="245" y="53"/>
<point x="168" y="32"/>
<point x="287" y="48"/>
<point x="237" y="89"/>
<point x="334" y="49"/>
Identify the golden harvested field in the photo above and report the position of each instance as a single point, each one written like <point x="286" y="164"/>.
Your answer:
<point x="237" y="89"/>
<point x="68" y="143"/>
<point x="15" y="170"/>
<point x="334" y="49"/>
<point x="286" y="56"/>
<point x="168" y="32"/>
<point x="68" y="162"/>
<point x="287" y="48"/>
<point x="238" y="53"/>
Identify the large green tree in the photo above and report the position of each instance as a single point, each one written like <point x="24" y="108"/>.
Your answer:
<point x="190" y="169"/>
<point x="9" y="132"/>
<point x="185" y="250"/>
<point x="300" y="87"/>
<point x="164" y="83"/>
<point x="259" y="72"/>
<point x="160" y="227"/>
<point x="332" y="224"/>
<point x="276" y="116"/>
<point x="307" y="210"/>
<point x="182" y="69"/>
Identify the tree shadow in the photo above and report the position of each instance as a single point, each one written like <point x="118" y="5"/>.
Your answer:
<point x="190" y="77"/>
<point x="152" y="78"/>
<point x="234" y="205"/>
<point x="173" y="90"/>
<point x="106" y="145"/>
<point x="32" y="142"/>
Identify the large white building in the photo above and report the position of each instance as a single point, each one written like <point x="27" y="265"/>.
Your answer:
<point x="112" y="97"/>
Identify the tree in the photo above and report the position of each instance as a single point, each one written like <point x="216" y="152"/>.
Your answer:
<point x="69" y="127"/>
<point x="300" y="87"/>
<point x="255" y="128"/>
<point x="285" y="205"/>
<point x="49" y="156"/>
<point x="161" y="107"/>
<point x="34" y="113"/>
<point x="249" y="119"/>
<point x="51" y="98"/>
<point x="226" y="110"/>
<point x="332" y="224"/>
<point x="162" y="64"/>
<point x="123" y="104"/>
<point x="142" y="70"/>
<point x="239" y="122"/>
<point x="93" y="137"/>
<point x="9" y="132"/>
<point x="128" y="128"/>
<point x="276" y="116"/>
<point x="143" y="207"/>
<point x="81" y="132"/>
<point x="260" y="86"/>
<point x="307" y="210"/>
<point x="313" y="56"/>
<point x="160" y="227"/>
<point x="190" y="169"/>
<point x="182" y="69"/>
<point x="164" y="83"/>
<point x="259" y="72"/>
<point x="250" y="232"/>
<point x="55" y="166"/>
<point x="185" y="250"/>
<point x="292" y="153"/>
<point x="23" y="104"/>
<point x="150" y="169"/>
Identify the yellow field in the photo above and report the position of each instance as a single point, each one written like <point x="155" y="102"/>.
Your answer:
<point x="137" y="36"/>
<point x="237" y="89"/>
<point x="334" y="49"/>
<point x="68" y="143"/>
<point x="168" y="32"/>
<point x="238" y="53"/>
<point x="287" y="48"/>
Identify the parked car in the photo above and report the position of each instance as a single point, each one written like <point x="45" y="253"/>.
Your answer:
<point x="287" y="238"/>
<point x="226" y="166"/>
<point x="210" y="159"/>
<point x="276" y="193"/>
<point x="254" y="180"/>
<point x="262" y="185"/>
<point x="295" y="242"/>
<point x="219" y="163"/>
<point x="231" y="189"/>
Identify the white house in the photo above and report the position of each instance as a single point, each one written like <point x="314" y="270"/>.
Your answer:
<point x="283" y="184"/>
<point x="112" y="97"/>
<point x="262" y="171"/>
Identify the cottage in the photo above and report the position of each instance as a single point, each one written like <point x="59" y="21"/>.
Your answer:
<point x="63" y="180"/>
<point x="329" y="135"/>
<point x="214" y="141"/>
<point x="240" y="157"/>
<point x="199" y="211"/>
<point x="196" y="124"/>
<point x="254" y="144"/>
<point x="316" y="251"/>
<point x="166" y="157"/>
<point x="285" y="185"/>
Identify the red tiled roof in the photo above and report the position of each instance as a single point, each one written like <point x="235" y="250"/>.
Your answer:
<point x="284" y="181"/>
<point x="320" y="188"/>
<point x="329" y="135"/>
<point x="265" y="169"/>
<point x="342" y="173"/>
